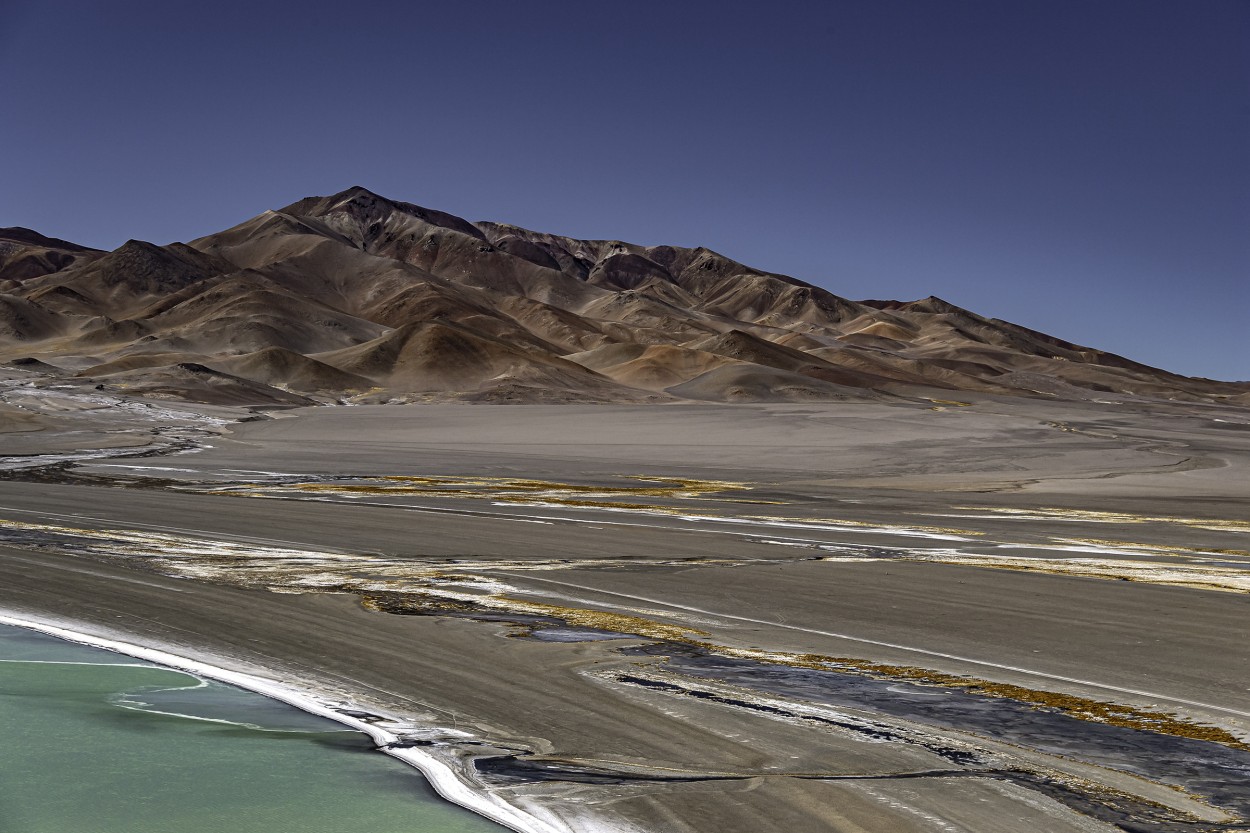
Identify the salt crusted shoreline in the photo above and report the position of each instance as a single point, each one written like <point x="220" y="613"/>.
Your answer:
<point x="440" y="771"/>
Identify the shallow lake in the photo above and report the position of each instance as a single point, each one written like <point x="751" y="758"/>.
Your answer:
<point x="96" y="742"/>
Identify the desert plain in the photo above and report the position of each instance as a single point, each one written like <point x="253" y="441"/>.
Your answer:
<point x="982" y="613"/>
<point x="615" y="537"/>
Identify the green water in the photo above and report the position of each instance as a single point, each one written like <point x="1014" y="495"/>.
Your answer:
<point x="84" y="749"/>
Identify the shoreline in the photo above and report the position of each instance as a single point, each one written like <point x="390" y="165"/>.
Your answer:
<point x="441" y="775"/>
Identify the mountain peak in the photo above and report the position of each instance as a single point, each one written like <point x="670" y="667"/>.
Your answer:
<point x="136" y="246"/>
<point x="358" y="190"/>
<point x="363" y="209"/>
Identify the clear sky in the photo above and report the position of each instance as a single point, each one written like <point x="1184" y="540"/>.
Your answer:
<point x="1080" y="167"/>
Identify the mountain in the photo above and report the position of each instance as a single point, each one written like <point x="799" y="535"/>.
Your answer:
<point x="355" y="297"/>
<point x="28" y="254"/>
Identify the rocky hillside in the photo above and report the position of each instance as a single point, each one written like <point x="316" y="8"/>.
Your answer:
<point x="355" y="297"/>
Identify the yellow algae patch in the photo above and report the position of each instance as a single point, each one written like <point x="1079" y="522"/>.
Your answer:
<point x="1216" y="579"/>
<point x="615" y="622"/>
<point x="693" y="486"/>
<point x="1218" y="525"/>
<point x="512" y="490"/>
<point x="840" y="522"/>
<point x="1193" y="576"/>
<point x="1153" y="549"/>
<point x="596" y="504"/>
<point x="1092" y="516"/>
<point x="539" y="492"/>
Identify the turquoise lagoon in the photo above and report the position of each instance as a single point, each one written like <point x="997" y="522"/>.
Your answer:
<point x="96" y="742"/>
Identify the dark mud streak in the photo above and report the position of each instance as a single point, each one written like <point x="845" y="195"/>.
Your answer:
<point x="957" y="756"/>
<point x="1213" y="771"/>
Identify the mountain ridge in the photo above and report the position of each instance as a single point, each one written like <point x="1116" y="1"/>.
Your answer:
<point x="356" y="297"/>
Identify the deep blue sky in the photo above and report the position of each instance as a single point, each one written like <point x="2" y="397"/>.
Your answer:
<point x="1077" y="166"/>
